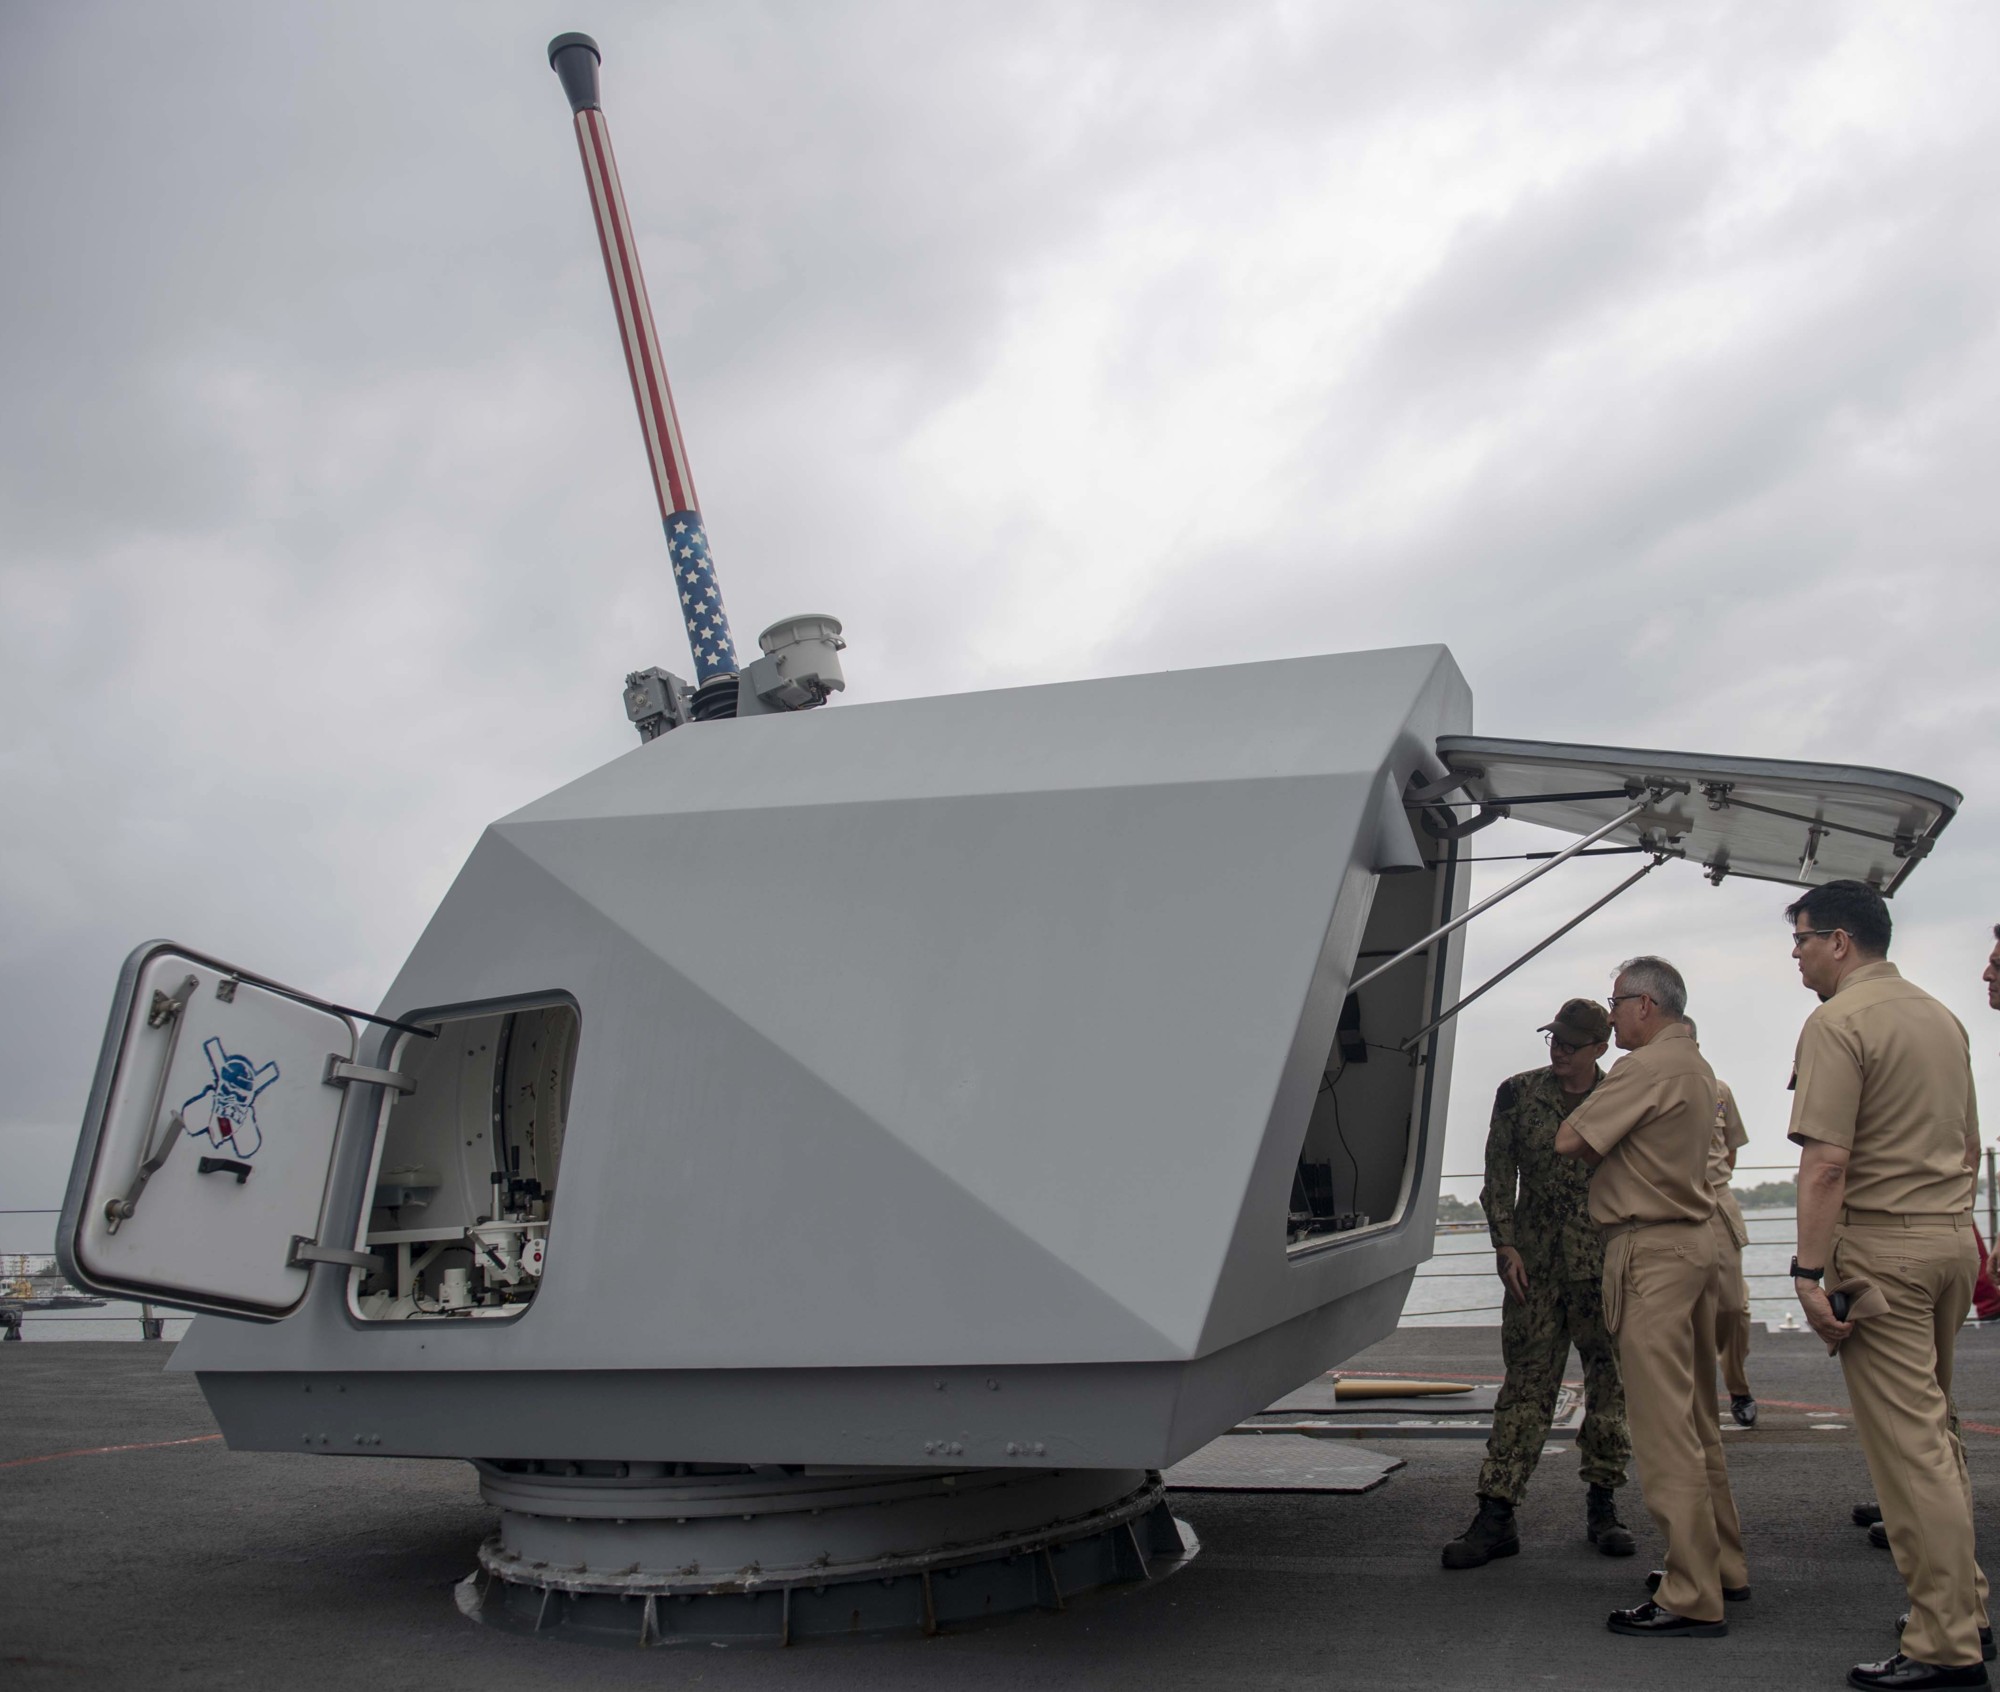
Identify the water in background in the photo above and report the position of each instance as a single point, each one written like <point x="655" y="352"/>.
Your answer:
<point x="116" y="1321"/>
<point x="1458" y="1285"/>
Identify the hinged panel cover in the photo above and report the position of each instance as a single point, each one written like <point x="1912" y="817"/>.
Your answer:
<point x="1771" y="819"/>
<point x="208" y="1143"/>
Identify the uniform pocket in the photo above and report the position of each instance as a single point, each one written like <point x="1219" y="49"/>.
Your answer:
<point x="1617" y="1266"/>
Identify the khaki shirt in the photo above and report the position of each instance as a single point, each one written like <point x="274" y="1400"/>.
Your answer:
<point x="1730" y="1136"/>
<point x="1884" y="1070"/>
<point x="1653" y="1119"/>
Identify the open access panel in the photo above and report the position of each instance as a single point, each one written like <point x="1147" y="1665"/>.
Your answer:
<point x="202" y="1175"/>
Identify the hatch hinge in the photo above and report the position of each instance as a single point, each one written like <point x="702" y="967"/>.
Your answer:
<point x="1421" y="792"/>
<point x="341" y="1073"/>
<point x="306" y="1251"/>
<point x="1440" y="824"/>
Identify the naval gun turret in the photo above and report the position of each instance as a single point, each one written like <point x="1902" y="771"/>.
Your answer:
<point x="824" y="1164"/>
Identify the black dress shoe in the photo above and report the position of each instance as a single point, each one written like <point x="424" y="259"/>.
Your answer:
<point x="1649" y="1621"/>
<point x="1867" y="1515"/>
<point x="1878" y="1536"/>
<point x="1903" y="1674"/>
<point x="1985" y="1635"/>
<point x="1744" y="1408"/>
<point x="1734" y="1594"/>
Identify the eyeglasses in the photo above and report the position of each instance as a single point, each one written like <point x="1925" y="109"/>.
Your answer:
<point x="1561" y="1048"/>
<point x="1801" y="935"/>
<point x="1616" y="998"/>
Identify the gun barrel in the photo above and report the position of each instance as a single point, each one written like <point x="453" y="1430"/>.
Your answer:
<point x="575" y="59"/>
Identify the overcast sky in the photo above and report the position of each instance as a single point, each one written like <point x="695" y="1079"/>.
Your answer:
<point x="1645" y="356"/>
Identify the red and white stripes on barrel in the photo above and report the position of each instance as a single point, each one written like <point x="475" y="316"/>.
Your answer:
<point x="575" y="58"/>
<point x="672" y="479"/>
<point x="708" y="633"/>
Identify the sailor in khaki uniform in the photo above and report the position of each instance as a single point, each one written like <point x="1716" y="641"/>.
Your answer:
<point x="1648" y="1128"/>
<point x="1883" y="1111"/>
<point x="1732" y="1234"/>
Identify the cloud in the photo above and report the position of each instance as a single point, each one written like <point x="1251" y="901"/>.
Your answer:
<point x="1649" y="360"/>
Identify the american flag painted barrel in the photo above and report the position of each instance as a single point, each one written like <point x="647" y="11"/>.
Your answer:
<point x="575" y="59"/>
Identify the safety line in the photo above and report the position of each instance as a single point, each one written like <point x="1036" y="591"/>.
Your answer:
<point x="101" y="1450"/>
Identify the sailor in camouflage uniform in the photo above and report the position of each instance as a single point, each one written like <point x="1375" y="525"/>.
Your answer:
<point x="1551" y="1262"/>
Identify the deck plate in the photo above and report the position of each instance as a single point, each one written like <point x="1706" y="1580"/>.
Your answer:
<point x="1281" y="1463"/>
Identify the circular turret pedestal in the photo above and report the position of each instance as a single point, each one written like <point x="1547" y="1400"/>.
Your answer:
<point x="650" y="1554"/>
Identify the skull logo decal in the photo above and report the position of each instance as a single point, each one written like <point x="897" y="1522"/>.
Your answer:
<point x="232" y="1100"/>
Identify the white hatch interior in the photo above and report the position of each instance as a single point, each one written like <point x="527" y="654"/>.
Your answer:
<point x="466" y="1167"/>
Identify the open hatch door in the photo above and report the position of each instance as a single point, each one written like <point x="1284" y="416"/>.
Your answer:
<point x="1766" y="818"/>
<point x="203" y="1162"/>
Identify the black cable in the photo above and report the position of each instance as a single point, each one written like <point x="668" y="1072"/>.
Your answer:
<point x="1354" y="1186"/>
<point x="1326" y="1086"/>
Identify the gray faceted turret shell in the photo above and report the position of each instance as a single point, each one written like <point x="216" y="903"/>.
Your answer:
<point x="928" y="1042"/>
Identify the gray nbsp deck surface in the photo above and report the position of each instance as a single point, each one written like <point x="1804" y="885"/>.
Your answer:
<point x="191" y="1565"/>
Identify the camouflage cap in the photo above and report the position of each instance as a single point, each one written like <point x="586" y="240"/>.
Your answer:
<point x="1581" y="1022"/>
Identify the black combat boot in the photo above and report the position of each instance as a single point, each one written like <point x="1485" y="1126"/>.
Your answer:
<point x="1491" y="1535"/>
<point x="1607" y="1532"/>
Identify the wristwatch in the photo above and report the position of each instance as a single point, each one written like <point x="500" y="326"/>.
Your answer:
<point x="1799" y="1274"/>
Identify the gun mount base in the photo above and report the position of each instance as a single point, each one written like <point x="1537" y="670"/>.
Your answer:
<point x="634" y="1554"/>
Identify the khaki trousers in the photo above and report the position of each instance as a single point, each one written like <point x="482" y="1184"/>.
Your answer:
<point x="1732" y="1308"/>
<point x="1659" y="1296"/>
<point x="1898" y="1369"/>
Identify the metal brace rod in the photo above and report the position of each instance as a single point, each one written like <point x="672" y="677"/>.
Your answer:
<point x="1558" y="798"/>
<point x="297" y="997"/>
<point x="1536" y="950"/>
<point x="166" y="1008"/>
<point x="1536" y="857"/>
<point x="1721" y="798"/>
<point x="1493" y="899"/>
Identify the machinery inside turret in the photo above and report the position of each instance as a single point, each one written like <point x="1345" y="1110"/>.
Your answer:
<point x="466" y="1167"/>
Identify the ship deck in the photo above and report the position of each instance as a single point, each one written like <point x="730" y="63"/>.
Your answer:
<point x="141" y="1552"/>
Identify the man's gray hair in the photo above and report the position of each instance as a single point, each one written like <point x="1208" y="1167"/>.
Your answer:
<point x="1658" y="980"/>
